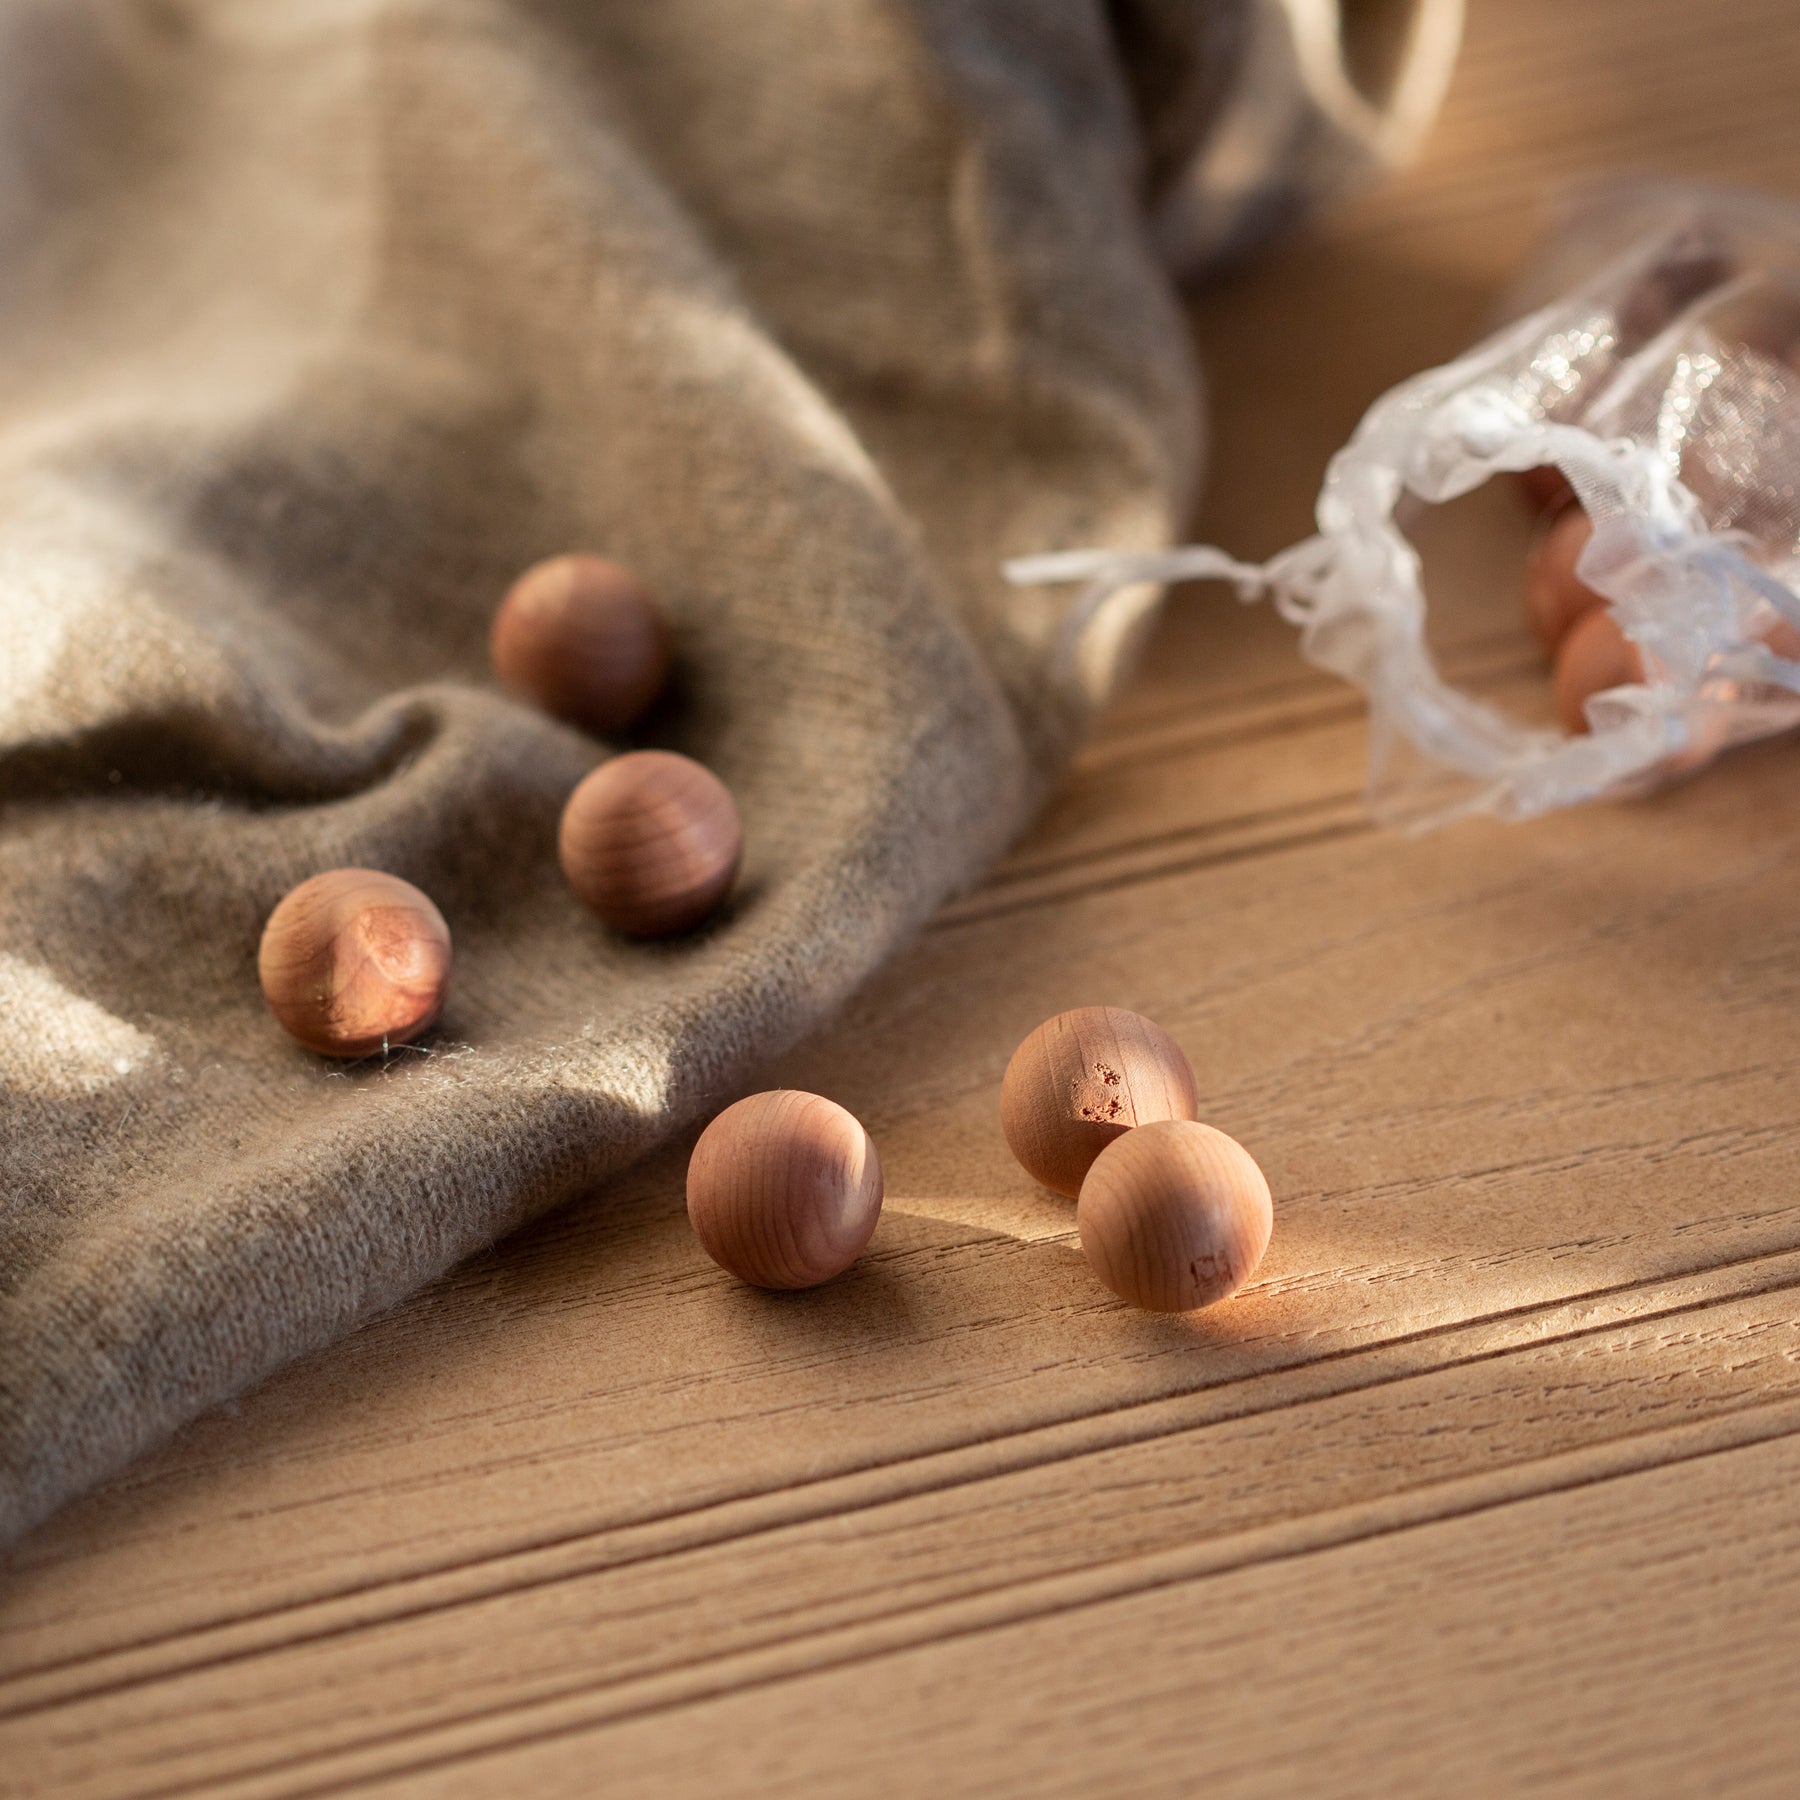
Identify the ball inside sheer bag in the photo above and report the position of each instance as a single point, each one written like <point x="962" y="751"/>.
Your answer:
<point x="1658" y="367"/>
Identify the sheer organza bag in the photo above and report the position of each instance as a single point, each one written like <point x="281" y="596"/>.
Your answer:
<point x="1656" y="364"/>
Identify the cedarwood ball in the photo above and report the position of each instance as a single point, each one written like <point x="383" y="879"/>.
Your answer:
<point x="1556" y="598"/>
<point x="650" y="841"/>
<point x="1546" y="489"/>
<point x="1081" y="1080"/>
<point x="354" y="961"/>
<point x="784" y="1189"/>
<point x="582" y="637"/>
<point x="1174" y="1215"/>
<point x="1596" y="655"/>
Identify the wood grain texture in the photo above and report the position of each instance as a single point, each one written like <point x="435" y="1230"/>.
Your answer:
<point x="1483" y="1483"/>
<point x="353" y="961"/>
<point x="1083" y="1079"/>
<point x="1174" y="1215"/>
<point x="651" y="842"/>
<point x="784" y="1189"/>
<point x="1630" y="1640"/>
<point x="1206" y="1487"/>
<point x="584" y="638"/>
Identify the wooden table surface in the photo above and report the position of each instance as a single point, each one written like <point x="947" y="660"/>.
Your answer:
<point x="1490" y="1483"/>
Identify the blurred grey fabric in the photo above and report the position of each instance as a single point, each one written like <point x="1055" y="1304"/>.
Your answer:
<point x="319" y="320"/>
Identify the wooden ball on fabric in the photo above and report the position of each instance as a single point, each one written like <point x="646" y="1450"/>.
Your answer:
<point x="651" y="841"/>
<point x="784" y="1189"/>
<point x="1595" y="656"/>
<point x="1083" y="1078"/>
<point x="584" y="639"/>
<point x="354" y="961"/>
<point x="1174" y="1215"/>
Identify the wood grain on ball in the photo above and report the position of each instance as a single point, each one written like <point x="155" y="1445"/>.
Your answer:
<point x="584" y="639"/>
<point x="1083" y="1078"/>
<point x="1174" y="1215"/>
<point x="784" y="1189"/>
<point x="354" y="961"/>
<point x="651" y="842"/>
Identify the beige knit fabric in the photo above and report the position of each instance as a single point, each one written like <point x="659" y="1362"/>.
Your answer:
<point x="319" y="320"/>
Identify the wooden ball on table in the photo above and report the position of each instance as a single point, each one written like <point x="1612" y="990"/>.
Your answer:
<point x="584" y="639"/>
<point x="784" y="1189"/>
<point x="1081" y="1080"/>
<point x="354" y="961"/>
<point x="651" y="841"/>
<point x="1174" y="1215"/>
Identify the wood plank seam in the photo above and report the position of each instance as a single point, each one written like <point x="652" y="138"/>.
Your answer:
<point x="973" y="912"/>
<point x="1144" y="746"/>
<point x="1205" y="1396"/>
<point x="1028" y="865"/>
<point x="1036" y="881"/>
<point x="1062" y="862"/>
<point x="593" y="1706"/>
<point x="1289" y="708"/>
<point x="864" y="1491"/>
